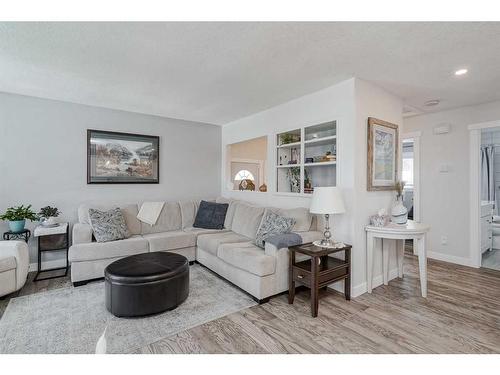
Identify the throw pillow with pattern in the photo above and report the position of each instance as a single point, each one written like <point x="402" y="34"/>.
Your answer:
<point x="108" y="225"/>
<point x="271" y="225"/>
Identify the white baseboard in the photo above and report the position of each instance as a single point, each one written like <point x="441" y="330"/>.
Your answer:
<point x="47" y="264"/>
<point x="451" y="259"/>
<point x="362" y="288"/>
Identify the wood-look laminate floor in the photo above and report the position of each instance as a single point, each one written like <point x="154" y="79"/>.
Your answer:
<point x="460" y="315"/>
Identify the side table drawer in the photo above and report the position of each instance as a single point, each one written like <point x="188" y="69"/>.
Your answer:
<point x="301" y="276"/>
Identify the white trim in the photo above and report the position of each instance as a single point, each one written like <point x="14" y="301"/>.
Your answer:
<point x="450" y="259"/>
<point x="33" y="267"/>
<point x="484" y="125"/>
<point x="411" y="135"/>
<point x="362" y="288"/>
<point x="417" y="208"/>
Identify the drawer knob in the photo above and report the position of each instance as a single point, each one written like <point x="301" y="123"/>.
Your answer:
<point x="300" y="277"/>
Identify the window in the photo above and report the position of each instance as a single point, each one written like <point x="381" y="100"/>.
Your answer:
<point x="244" y="175"/>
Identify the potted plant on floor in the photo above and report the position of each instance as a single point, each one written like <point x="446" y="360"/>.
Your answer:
<point x="17" y="216"/>
<point x="49" y="214"/>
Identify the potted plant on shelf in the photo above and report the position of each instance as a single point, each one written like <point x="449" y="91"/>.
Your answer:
<point x="49" y="214"/>
<point x="17" y="216"/>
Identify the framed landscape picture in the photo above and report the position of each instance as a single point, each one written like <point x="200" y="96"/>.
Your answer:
<point x="122" y="158"/>
<point x="383" y="144"/>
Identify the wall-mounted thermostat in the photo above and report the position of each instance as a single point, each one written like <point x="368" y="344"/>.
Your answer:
<point x="442" y="129"/>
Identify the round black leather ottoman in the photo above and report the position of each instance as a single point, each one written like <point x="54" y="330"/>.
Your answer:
<point x="145" y="284"/>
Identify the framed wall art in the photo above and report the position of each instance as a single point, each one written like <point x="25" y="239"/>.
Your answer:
<point x="122" y="158"/>
<point x="383" y="142"/>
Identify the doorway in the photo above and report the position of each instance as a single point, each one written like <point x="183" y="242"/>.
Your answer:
<point x="410" y="146"/>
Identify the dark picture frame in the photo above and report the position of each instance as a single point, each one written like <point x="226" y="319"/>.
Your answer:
<point x="382" y="155"/>
<point x="122" y="158"/>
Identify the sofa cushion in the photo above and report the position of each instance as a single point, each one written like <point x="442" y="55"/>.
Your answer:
<point x="301" y="215"/>
<point x="7" y="263"/>
<point x="211" y="242"/>
<point x="105" y="250"/>
<point x="169" y="219"/>
<point x="170" y="240"/>
<point x="246" y="219"/>
<point x="248" y="257"/>
<point x="210" y="215"/>
<point x="129" y="212"/>
<point x="200" y="231"/>
<point x="188" y="212"/>
<point x="230" y="210"/>
<point x="272" y="224"/>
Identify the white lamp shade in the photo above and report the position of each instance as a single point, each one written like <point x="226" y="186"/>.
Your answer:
<point x="327" y="200"/>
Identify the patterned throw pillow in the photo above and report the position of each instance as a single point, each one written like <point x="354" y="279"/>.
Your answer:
<point x="271" y="225"/>
<point x="109" y="225"/>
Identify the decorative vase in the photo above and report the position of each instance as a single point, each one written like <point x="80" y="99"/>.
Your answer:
<point x="399" y="212"/>
<point x="17" y="226"/>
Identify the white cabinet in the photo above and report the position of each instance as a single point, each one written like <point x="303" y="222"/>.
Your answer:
<point x="485" y="225"/>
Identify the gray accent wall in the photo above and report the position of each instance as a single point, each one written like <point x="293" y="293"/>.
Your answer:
<point x="43" y="156"/>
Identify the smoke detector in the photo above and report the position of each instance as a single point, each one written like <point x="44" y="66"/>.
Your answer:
<point x="432" y="103"/>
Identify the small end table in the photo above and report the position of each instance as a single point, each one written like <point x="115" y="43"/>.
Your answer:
<point x="318" y="271"/>
<point x="52" y="239"/>
<point x="24" y="235"/>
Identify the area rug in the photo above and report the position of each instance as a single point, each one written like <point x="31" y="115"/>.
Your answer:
<point x="71" y="320"/>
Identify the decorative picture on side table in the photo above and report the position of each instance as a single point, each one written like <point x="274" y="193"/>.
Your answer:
<point x="382" y="154"/>
<point x="122" y="158"/>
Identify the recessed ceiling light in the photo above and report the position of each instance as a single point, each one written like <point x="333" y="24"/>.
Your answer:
<point x="460" y="72"/>
<point x="432" y="103"/>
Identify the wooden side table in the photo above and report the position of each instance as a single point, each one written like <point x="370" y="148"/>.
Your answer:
<point x="52" y="239"/>
<point x="318" y="271"/>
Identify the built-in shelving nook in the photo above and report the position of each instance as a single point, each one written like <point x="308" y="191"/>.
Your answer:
<point x="306" y="158"/>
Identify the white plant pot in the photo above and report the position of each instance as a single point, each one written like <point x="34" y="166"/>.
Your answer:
<point x="49" y="221"/>
<point x="399" y="213"/>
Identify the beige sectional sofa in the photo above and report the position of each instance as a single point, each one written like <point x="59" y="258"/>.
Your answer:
<point x="230" y="252"/>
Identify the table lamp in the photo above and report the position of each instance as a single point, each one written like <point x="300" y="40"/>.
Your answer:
<point x="327" y="201"/>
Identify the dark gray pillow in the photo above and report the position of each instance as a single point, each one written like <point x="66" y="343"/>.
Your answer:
<point x="271" y="225"/>
<point x="211" y="215"/>
<point x="108" y="225"/>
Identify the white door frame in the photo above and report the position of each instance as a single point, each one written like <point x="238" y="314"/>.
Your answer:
<point x="475" y="188"/>
<point x="417" y="214"/>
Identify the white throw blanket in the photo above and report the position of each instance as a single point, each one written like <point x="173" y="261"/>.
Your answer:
<point x="150" y="211"/>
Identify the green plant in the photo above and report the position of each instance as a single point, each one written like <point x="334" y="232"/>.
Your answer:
<point x="19" y="213"/>
<point x="48" y="211"/>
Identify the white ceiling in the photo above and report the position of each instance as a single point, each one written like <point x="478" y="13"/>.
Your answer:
<point x="219" y="72"/>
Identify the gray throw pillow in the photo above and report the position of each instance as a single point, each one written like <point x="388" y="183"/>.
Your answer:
<point x="108" y="225"/>
<point x="210" y="215"/>
<point x="271" y="225"/>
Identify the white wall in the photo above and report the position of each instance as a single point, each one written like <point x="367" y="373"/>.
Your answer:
<point x="350" y="102"/>
<point x="445" y="196"/>
<point x="43" y="156"/>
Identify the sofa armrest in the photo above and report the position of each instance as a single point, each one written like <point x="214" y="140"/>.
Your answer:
<point x="307" y="237"/>
<point x="18" y="250"/>
<point x="82" y="233"/>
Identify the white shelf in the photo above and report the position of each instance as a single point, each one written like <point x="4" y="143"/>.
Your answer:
<point x="286" y="145"/>
<point x="320" y="141"/>
<point x="320" y="163"/>
<point x="288" y="165"/>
